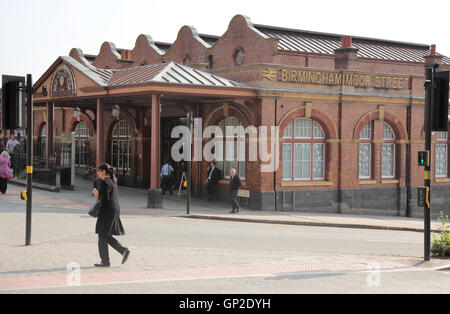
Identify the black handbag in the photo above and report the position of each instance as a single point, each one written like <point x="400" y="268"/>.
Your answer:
<point x="95" y="210"/>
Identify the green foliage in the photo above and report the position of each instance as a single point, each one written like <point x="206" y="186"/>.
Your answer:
<point x="441" y="242"/>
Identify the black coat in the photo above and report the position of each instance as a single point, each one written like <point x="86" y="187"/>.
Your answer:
<point x="235" y="183"/>
<point x="215" y="176"/>
<point x="108" y="221"/>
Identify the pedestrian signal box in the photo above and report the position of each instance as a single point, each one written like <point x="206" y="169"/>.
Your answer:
<point x="423" y="196"/>
<point x="424" y="158"/>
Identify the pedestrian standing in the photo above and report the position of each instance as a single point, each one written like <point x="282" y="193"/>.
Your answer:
<point x="166" y="174"/>
<point x="235" y="184"/>
<point x="5" y="173"/>
<point x="214" y="175"/>
<point x="108" y="221"/>
<point x="11" y="145"/>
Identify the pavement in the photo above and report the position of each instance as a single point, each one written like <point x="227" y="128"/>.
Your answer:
<point x="173" y="251"/>
<point x="134" y="201"/>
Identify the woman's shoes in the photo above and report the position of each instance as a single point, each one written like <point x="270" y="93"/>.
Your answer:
<point x="125" y="255"/>
<point x="102" y="265"/>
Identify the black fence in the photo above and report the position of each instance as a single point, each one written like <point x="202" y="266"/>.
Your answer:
<point x="45" y="171"/>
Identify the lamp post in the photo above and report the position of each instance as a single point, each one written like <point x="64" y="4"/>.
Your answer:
<point x="77" y="113"/>
<point x="116" y="112"/>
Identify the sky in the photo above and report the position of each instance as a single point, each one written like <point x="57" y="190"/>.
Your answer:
<point x="35" y="33"/>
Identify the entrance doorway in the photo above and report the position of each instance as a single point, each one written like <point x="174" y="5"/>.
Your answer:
<point x="167" y="125"/>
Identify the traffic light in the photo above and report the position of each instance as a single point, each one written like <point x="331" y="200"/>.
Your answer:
<point x="440" y="102"/>
<point x="13" y="102"/>
<point x="424" y="158"/>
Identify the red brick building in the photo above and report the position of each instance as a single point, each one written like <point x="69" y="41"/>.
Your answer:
<point x="350" y="112"/>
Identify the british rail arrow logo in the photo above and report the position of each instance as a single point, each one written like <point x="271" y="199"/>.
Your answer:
<point x="270" y="74"/>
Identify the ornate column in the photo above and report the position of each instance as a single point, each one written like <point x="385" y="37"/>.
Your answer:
<point x="100" y="143"/>
<point x="155" y="193"/>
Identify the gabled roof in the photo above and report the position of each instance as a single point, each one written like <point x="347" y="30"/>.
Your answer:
<point x="172" y="72"/>
<point x="326" y="43"/>
<point x="99" y="76"/>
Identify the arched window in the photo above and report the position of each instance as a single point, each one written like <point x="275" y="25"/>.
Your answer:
<point x="303" y="151"/>
<point x="231" y="150"/>
<point x="43" y="142"/>
<point x="210" y="61"/>
<point x="121" y="146"/>
<point x="238" y="57"/>
<point x="365" y="151"/>
<point x="388" y="154"/>
<point x="82" y="145"/>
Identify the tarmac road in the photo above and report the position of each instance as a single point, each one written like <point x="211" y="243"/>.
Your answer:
<point x="172" y="254"/>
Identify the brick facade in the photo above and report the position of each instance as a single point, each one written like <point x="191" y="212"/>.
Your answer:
<point x="342" y="92"/>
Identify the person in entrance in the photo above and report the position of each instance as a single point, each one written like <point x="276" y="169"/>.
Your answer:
<point x="166" y="178"/>
<point x="235" y="184"/>
<point x="108" y="221"/>
<point x="214" y="175"/>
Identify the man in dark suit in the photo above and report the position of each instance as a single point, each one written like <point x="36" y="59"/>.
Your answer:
<point x="214" y="175"/>
<point x="235" y="184"/>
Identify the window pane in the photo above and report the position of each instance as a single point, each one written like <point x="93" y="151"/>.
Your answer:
<point x="388" y="134"/>
<point x="242" y="171"/>
<point x="318" y="131"/>
<point x="441" y="160"/>
<point x="319" y="161"/>
<point x="227" y="167"/>
<point x="387" y="160"/>
<point x="442" y="136"/>
<point x="364" y="160"/>
<point x="115" y="160"/>
<point x="302" y="161"/>
<point x="81" y="130"/>
<point x="366" y="132"/>
<point x="287" y="161"/>
<point x="288" y="131"/>
<point x="232" y="149"/>
<point x="303" y="128"/>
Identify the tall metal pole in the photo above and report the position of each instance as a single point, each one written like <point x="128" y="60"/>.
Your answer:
<point x="429" y="83"/>
<point x="29" y="158"/>
<point x="189" y="163"/>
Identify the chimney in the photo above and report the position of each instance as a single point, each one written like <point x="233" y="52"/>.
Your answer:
<point x="346" y="57"/>
<point x="125" y="54"/>
<point x="433" y="57"/>
<point x="346" y="42"/>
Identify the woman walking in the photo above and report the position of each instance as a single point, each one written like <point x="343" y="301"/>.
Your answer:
<point x="108" y="221"/>
<point x="5" y="173"/>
